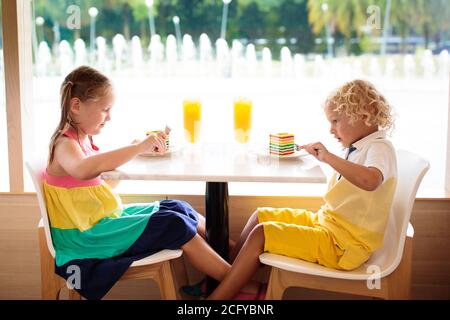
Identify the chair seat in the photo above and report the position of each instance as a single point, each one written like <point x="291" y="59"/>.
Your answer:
<point x="163" y="255"/>
<point x="305" y="267"/>
<point x="386" y="263"/>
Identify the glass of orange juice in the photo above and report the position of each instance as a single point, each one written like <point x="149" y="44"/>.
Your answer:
<point x="242" y="119"/>
<point x="192" y="114"/>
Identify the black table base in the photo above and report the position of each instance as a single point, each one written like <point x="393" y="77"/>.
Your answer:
<point x="217" y="233"/>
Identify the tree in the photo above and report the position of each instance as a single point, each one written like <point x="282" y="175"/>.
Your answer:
<point x="343" y="16"/>
<point x="293" y="18"/>
<point x="431" y="16"/>
<point x="252" y="21"/>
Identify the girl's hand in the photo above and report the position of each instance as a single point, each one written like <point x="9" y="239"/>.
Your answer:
<point x="135" y="142"/>
<point x="154" y="143"/>
<point x="317" y="149"/>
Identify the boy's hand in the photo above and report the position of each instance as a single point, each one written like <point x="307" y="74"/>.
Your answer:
<point x="317" y="149"/>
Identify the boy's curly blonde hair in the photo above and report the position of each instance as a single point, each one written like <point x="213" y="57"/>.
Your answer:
<point x="359" y="99"/>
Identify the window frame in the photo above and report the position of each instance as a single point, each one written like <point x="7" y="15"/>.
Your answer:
<point x="447" y="160"/>
<point x="17" y="53"/>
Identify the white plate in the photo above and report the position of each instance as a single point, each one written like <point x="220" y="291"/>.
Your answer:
<point x="265" y="152"/>
<point x="172" y="149"/>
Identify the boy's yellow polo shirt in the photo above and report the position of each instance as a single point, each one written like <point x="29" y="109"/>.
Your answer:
<point x="358" y="218"/>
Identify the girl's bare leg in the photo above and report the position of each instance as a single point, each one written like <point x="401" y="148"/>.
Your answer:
<point x="245" y="265"/>
<point x="201" y="226"/>
<point x="205" y="259"/>
<point x="251" y="223"/>
<point x="201" y="229"/>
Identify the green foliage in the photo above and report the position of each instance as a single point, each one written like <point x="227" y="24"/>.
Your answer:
<point x="299" y="21"/>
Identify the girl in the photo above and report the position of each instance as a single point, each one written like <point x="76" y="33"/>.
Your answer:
<point x="91" y="230"/>
<point x="351" y="223"/>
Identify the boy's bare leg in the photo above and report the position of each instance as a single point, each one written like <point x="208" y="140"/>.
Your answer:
<point x="205" y="259"/>
<point x="251" y="224"/>
<point x="244" y="266"/>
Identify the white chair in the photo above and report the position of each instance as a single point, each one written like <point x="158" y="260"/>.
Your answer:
<point x="392" y="261"/>
<point x="156" y="267"/>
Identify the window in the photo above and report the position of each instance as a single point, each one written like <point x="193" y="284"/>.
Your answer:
<point x="286" y="56"/>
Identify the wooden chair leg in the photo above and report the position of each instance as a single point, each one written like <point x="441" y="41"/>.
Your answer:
<point x="50" y="287"/>
<point x="275" y="287"/>
<point x="166" y="282"/>
<point x="179" y="272"/>
<point x="51" y="283"/>
<point x="73" y="295"/>
<point x="399" y="281"/>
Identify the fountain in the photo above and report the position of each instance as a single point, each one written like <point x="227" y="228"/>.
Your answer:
<point x="337" y="69"/>
<point x="237" y="58"/>
<point x="409" y="66"/>
<point x="251" y="60"/>
<point x="389" y="72"/>
<point x="267" y="62"/>
<point x="223" y="58"/>
<point x="136" y="55"/>
<point x="102" y="60"/>
<point x="189" y="51"/>
<point x="374" y="67"/>
<point x="357" y="68"/>
<point x="319" y="66"/>
<point x="205" y="54"/>
<point x="287" y="63"/>
<point x="428" y="64"/>
<point x="119" y="45"/>
<point x="184" y="58"/>
<point x="205" y="48"/>
<point x="80" y="53"/>
<point x="299" y="65"/>
<point x="44" y="59"/>
<point x="171" y="54"/>
<point x="65" y="57"/>
<point x="156" y="50"/>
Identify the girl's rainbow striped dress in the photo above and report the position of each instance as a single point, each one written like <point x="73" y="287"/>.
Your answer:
<point x="97" y="238"/>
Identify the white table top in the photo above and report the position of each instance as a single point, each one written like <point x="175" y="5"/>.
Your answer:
<point x="220" y="163"/>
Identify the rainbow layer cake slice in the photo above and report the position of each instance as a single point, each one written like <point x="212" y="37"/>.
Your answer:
<point x="160" y="131"/>
<point x="282" y="144"/>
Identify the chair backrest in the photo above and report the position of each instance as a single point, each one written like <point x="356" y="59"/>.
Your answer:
<point x="411" y="169"/>
<point x="36" y="169"/>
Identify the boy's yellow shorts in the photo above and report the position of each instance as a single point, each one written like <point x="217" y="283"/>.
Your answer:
<point x="296" y="233"/>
